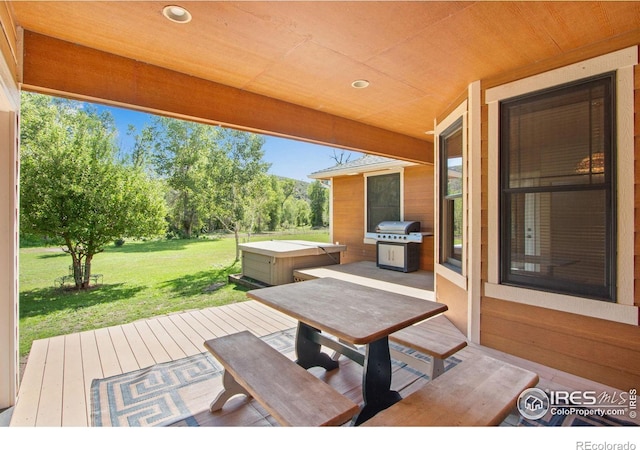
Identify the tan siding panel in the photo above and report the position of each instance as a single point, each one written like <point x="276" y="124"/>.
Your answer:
<point x="418" y="205"/>
<point x="589" y="369"/>
<point x="9" y="40"/>
<point x="348" y="219"/>
<point x="604" y="351"/>
<point x="637" y="185"/>
<point x="456" y="300"/>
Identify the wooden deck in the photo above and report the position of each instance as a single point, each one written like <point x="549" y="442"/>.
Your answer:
<point x="56" y="383"/>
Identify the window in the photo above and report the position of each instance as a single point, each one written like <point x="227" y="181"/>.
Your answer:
<point x="451" y="199"/>
<point x="383" y="199"/>
<point x="557" y="202"/>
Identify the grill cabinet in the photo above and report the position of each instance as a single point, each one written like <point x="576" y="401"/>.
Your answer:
<point x="398" y="245"/>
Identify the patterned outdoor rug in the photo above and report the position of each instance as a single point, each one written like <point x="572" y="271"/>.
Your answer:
<point x="165" y="393"/>
<point x="176" y="393"/>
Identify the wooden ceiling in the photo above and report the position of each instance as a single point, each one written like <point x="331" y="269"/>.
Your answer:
<point x="418" y="56"/>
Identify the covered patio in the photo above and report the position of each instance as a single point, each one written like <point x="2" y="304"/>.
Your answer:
<point x="382" y="78"/>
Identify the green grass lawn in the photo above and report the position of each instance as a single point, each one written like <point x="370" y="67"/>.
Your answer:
<point x="141" y="280"/>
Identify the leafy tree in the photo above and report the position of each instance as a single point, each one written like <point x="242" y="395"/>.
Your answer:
<point x="273" y="205"/>
<point x="303" y="213"/>
<point x="295" y="212"/>
<point x="233" y="166"/>
<point x="319" y="203"/>
<point x="288" y="187"/>
<point x="180" y="152"/>
<point x="256" y="209"/>
<point x="74" y="190"/>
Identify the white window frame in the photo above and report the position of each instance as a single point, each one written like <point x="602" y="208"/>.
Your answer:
<point x="623" y="311"/>
<point x="458" y="278"/>
<point x="366" y="193"/>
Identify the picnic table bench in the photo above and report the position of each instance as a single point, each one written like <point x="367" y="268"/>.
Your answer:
<point x="480" y="391"/>
<point x="436" y="337"/>
<point x="291" y="394"/>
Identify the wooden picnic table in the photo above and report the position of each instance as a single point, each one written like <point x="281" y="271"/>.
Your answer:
<point x="339" y="314"/>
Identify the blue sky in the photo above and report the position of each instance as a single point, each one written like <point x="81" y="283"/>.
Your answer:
<point x="288" y="158"/>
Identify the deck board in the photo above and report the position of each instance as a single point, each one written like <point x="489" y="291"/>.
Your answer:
<point x="223" y="325"/>
<point x="26" y="408"/>
<point x="192" y="335"/>
<point x="155" y="347"/>
<point x="56" y="384"/>
<point x="126" y="358"/>
<point x="74" y="400"/>
<point x="91" y="368"/>
<point x="275" y="316"/>
<point x="209" y="324"/>
<point x="106" y="350"/>
<point x="202" y="333"/>
<point x="225" y="314"/>
<point x="168" y="342"/>
<point x="50" y="406"/>
<point x="259" y="319"/>
<point x="248" y="320"/>
<point x="178" y="336"/>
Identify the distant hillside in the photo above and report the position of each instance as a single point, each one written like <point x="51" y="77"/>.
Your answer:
<point x="300" y="188"/>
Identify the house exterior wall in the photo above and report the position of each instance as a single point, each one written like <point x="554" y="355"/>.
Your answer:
<point x="602" y="350"/>
<point x="9" y="163"/>
<point x="456" y="300"/>
<point x="349" y="213"/>
<point x="459" y="288"/>
<point x="418" y="205"/>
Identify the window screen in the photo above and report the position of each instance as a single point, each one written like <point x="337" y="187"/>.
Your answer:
<point x="451" y="196"/>
<point x="383" y="199"/>
<point x="557" y="201"/>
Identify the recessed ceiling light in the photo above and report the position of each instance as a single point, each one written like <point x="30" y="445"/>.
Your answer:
<point x="176" y="14"/>
<point x="360" y="84"/>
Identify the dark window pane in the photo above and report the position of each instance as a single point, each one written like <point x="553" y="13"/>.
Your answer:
<point x="558" y="139"/>
<point x="383" y="199"/>
<point x="558" y="202"/>
<point x="560" y="236"/>
<point x="453" y="155"/>
<point x="451" y="203"/>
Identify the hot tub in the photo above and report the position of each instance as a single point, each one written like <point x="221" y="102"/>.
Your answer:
<point x="273" y="262"/>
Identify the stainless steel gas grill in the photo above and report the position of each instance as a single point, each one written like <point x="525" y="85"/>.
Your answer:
<point x="398" y="245"/>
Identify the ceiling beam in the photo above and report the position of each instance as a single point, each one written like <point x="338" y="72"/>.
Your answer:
<point x="65" y="69"/>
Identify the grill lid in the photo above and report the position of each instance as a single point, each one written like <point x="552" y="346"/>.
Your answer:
<point x="398" y="227"/>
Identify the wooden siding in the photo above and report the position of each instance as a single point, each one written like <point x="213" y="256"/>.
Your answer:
<point x="605" y="351"/>
<point x="9" y="41"/>
<point x="348" y="219"/>
<point x="636" y="133"/>
<point x="418" y="205"/>
<point x="456" y="299"/>
<point x="349" y="211"/>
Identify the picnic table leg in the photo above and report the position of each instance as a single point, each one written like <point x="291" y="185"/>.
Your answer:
<point x="376" y="381"/>
<point x="230" y="388"/>
<point x="308" y="351"/>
